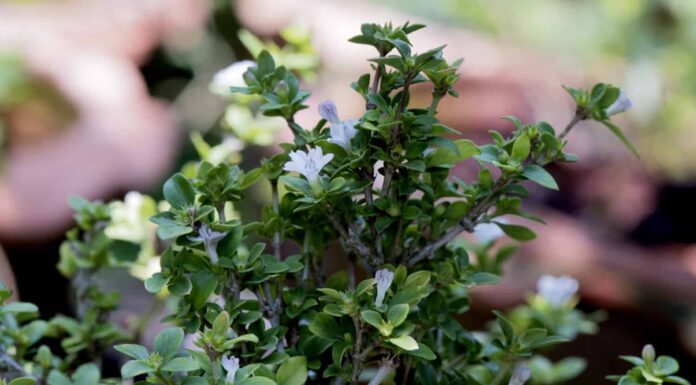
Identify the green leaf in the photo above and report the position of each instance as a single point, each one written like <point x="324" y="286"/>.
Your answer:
<point x="416" y="165"/>
<point x="221" y="325"/>
<point x="673" y="379"/>
<point x="442" y="157"/>
<point x="180" y="364"/>
<point x="539" y="175"/>
<point x="137" y="352"/>
<point x="58" y="378"/>
<point x="155" y="283"/>
<point x="180" y="286"/>
<point x="265" y="63"/>
<point x="23" y="381"/>
<point x="628" y="380"/>
<point x="194" y="380"/>
<point x="135" y="368"/>
<point x="397" y="314"/>
<point x="258" y="380"/>
<point x="633" y="360"/>
<point x="405" y="342"/>
<point x="664" y="366"/>
<point x="649" y="376"/>
<point x="179" y="192"/>
<point x="19" y="307"/>
<point x="169" y="231"/>
<point x="569" y="368"/>
<point x="87" y="374"/>
<point x="521" y="148"/>
<point x="484" y="278"/>
<point x="246" y="338"/>
<point x="167" y="342"/>
<point x="297" y="184"/>
<point x="251" y="177"/>
<point x="517" y="232"/>
<point x="204" y="284"/>
<point x="505" y="326"/>
<point x="423" y="352"/>
<point x="293" y="371"/>
<point x="466" y="148"/>
<point x="617" y="132"/>
<point x="324" y="326"/>
<point x="371" y="317"/>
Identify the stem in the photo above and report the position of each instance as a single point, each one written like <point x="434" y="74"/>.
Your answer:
<point x="473" y="217"/>
<point x="294" y="127"/>
<point x="276" y="210"/>
<point x="397" y="238"/>
<point x="500" y="376"/>
<point x="10" y="363"/>
<point x="388" y="167"/>
<point x="221" y="212"/>
<point x="351" y="238"/>
<point x="369" y="198"/>
<point x="407" y="370"/>
<point x="465" y="224"/>
<point x="382" y="372"/>
<point x="351" y="271"/>
<point x="579" y="115"/>
<point x="307" y="257"/>
<point x="356" y="350"/>
<point x="436" y="100"/>
<point x="374" y="88"/>
<point x="275" y="321"/>
<point x="81" y="284"/>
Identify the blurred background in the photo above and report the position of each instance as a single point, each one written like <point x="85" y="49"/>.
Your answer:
<point x="101" y="97"/>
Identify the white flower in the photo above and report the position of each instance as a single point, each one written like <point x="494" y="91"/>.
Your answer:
<point x="308" y="163"/>
<point x="557" y="290"/>
<point x="520" y="375"/>
<point x="384" y="279"/>
<point x="488" y="232"/>
<point x="341" y="131"/>
<point x="622" y="103"/>
<point x="231" y="365"/>
<point x="210" y="239"/>
<point x="232" y="76"/>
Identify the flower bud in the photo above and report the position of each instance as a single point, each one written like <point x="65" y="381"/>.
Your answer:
<point x="648" y="354"/>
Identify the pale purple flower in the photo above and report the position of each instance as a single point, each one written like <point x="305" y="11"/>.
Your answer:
<point x="231" y="365"/>
<point x="210" y="239"/>
<point x="520" y="375"/>
<point x="622" y="103"/>
<point x="341" y="131"/>
<point x="308" y="163"/>
<point x="384" y="280"/>
<point x="328" y="111"/>
<point x="557" y="290"/>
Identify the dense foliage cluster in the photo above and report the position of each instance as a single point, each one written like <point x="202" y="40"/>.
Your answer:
<point x="255" y="298"/>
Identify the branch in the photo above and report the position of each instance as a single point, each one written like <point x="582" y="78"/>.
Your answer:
<point x="388" y="167"/>
<point x="474" y="215"/>
<point x="356" y="350"/>
<point x="276" y="211"/>
<point x="468" y="223"/>
<point x="351" y="239"/>
<point x="386" y="367"/>
<point x="294" y="127"/>
<point x="579" y="116"/>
